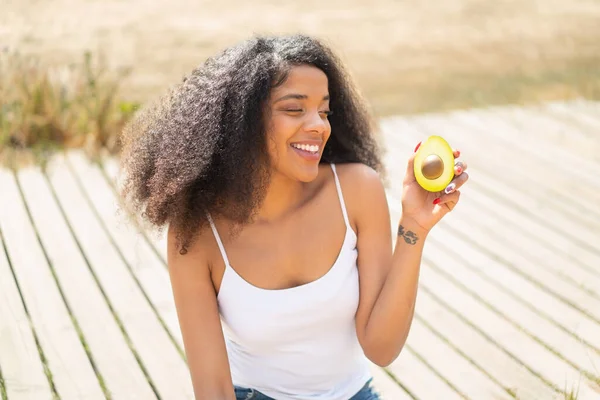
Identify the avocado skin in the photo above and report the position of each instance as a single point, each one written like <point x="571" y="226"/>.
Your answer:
<point x="436" y="146"/>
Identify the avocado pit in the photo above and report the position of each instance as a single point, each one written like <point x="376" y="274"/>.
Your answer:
<point x="432" y="167"/>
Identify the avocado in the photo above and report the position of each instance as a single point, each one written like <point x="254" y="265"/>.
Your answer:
<point x="434" y="164"/>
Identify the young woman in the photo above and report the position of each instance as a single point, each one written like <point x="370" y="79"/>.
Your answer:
<point x="263" y="164"/>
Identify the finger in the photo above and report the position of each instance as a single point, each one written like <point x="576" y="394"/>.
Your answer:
<point x="448" y="200"/>
<point x="456" y="183"/>
<point x="459" y="167"/>
<point x="456" y="153"/>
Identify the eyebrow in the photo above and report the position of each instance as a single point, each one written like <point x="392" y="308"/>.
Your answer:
<point x="297" y="97"/>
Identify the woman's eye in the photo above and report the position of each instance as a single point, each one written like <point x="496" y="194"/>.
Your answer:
<point x="298" y="110"/>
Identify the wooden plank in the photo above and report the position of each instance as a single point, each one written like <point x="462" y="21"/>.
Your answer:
<point x="587" y="236"/>
<point x="480" y="350"/>
<point x="72" y="372"/>
<point x="553" y="135"/>
<point x="22" y="368"/>
<point x="536" y="297"/>
<point x="158" y="240"/>
<point x="157" y="353"/>
<point x="507" y="370"/>
<point x="465" y="376"/>
<point x="504" y="302"/>
<point x="147" y="267"/>
<point x="573" y="131"/>
<point x="573" y="112"/>
<point x="418" y="378"/>
<point x="522" y="246"/>
<point x="543" y="125"/>
<point x="522" y="196"/>
<point x="579" y="257"/>
<point x="386" y="387"/>
<point x="100" y="330"/>
<point x="508" y="237"/>
<point x="511" y="338"/>
<point x="519" y="130"/>
<point x="591" y="109"/>
<point x="591" y="105"/>
<point x="580" y="299"/>
<point x="563" y="130"/>
<point x="564" y="191"/>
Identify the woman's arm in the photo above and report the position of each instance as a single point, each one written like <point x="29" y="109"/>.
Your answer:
<point x="196" y="303"/>
<point x="388" y="283"/>
<point x="389" y="280"/>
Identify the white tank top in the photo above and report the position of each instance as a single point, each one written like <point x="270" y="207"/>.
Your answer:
<point x="298" y="343"/>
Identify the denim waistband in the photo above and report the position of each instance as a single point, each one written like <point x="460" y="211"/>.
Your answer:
<point x="367" y="392"/>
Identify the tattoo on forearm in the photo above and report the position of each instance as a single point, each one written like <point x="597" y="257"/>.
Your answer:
<point x="409" y="236"/>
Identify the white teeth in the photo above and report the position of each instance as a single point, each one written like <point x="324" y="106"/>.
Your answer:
<point x="306" y="147"/>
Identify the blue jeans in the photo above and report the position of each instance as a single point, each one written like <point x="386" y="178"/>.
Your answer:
<point x="366" y="393"/>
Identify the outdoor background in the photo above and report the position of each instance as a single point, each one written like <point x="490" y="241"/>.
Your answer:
<point x="407" y="56"/>
<point x="509" y="291"/>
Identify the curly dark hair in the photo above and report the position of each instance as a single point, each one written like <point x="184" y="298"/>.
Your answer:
<point x="202" y="147"/>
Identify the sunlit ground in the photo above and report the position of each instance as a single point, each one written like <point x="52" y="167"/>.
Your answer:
<point x="407" y="56"/>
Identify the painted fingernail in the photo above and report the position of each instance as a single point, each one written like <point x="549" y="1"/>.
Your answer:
<point x="417" y="148"/>
<point x="437" y="201"/>
<point x="450" y="188"/>
<point x="458" y="167"/>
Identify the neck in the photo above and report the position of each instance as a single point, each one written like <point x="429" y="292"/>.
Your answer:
<point x="282" y="197"/>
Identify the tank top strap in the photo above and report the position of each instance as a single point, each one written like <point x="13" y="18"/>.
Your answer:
<point x="218" y="238"/>
<point x="340" y="195"/>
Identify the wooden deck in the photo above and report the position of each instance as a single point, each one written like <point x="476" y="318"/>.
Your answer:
<point x="509" y="301"/>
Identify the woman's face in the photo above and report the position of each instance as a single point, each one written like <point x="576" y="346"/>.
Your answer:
<point x="298" y="127"/>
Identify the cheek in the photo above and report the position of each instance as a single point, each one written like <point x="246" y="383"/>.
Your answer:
<point x="280" y="132"/>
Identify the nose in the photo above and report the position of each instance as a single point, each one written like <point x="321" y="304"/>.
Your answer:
<point x="316" y="122"/>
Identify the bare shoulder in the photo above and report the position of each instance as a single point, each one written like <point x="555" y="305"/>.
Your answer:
<point x="196" y="248"/>
<point x="359" y="181"/>
<point x="363" y="190"/>
<point x="197" y="255"/>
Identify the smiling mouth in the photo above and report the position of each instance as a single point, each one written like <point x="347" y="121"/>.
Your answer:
<point x="308" y="148"/>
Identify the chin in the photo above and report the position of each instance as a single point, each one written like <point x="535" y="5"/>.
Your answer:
<point x="306" y="173"/>
<point x="302" y="165"/>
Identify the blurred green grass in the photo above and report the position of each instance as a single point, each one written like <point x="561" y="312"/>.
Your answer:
<point x="44" y="108"/>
